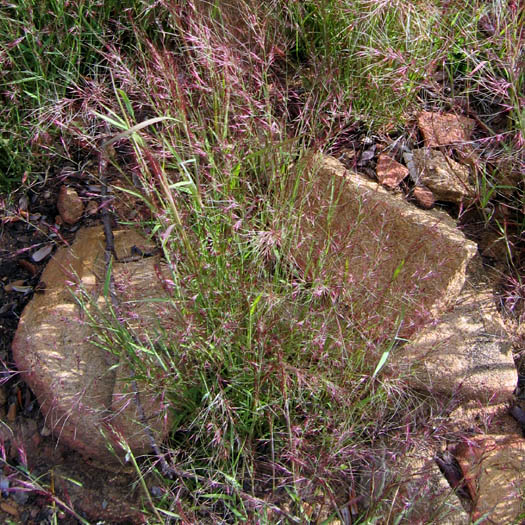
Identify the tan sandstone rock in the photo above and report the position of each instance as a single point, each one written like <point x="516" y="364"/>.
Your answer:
<point x="447" y="179"/>
<point x="493" y="469"/>
<point x="386" y="258"/>
<point x="63" y="357"/>
<point x="467" y="352"/>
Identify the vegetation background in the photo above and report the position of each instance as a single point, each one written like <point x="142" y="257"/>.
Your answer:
<point x="279" y="404"/>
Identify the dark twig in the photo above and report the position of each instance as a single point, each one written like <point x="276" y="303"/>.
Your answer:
<point x="109" y="255"/>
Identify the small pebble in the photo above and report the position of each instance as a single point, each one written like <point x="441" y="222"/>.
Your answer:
<point x="4" y="485"/>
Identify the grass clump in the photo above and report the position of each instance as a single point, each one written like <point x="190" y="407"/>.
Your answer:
<point x="279" y="403"/>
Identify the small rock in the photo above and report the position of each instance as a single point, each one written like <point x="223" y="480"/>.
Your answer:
<point x="424" y="197"/>
<point x="447" y="179"/>
<point x="389" y="172"/>
<point x="4" y="485"/>
<point x="443" y="129"/>
<point x="3" y="395"/>
<point x="28" y="266"/>
<point x="69" y="205"/>
<point x="10" y="508"/>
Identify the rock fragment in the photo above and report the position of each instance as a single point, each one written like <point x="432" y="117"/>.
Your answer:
<point x="448" y="180"/>
<point x="423" y="196"/>
<point x="442" y="129"/>
<point x="389" y="172"/>
<point x="69" y="205"/>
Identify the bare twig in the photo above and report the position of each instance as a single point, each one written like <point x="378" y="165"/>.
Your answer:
<point x="109" y="255"/>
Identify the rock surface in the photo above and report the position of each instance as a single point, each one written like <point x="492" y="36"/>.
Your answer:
<point x="467" y="352"/>
<point x="473" y="418"/>
<point x="58" y="350"/>
<point x="423" y="483"/>
<point x="389" y="172"/>
<point x="384" y="256"/>
<point x="69" y="205"/>
<point x="493" y="469"/>
<point x="447" y="179"/>
<point x="444" y="129"/>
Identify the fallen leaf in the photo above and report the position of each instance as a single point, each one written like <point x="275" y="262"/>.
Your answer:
<point x="30" y="267"/>
<point x="10" y="286"/>
<point x="367" y="155"/>
<point x="11" y="414"/>
<point x="42" y="253"/>
<point x="22" y="289"/>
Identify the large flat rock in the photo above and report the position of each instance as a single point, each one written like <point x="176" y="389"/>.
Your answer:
<point x="386" y="258"/>
<point x="67" y="353"/>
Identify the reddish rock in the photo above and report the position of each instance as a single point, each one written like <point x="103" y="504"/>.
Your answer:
<point x="424" y="197"/>
<point x="441" y="129"/>
<point x="389" y="172"/>
<point x="69" y="205"/>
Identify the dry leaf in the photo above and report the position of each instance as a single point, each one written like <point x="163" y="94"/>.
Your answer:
<point x="10" y="287"/>
<point x="42" y="253"/>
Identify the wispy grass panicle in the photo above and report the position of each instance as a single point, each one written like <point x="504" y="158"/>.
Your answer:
<point x="282" y="396"/>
